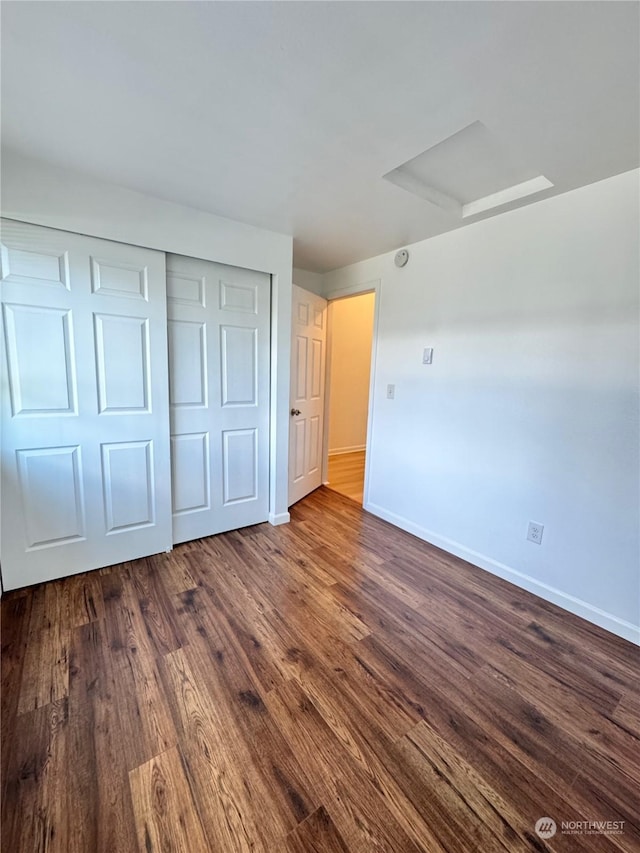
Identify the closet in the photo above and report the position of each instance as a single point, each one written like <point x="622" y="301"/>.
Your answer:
<point x="115" y="444"/>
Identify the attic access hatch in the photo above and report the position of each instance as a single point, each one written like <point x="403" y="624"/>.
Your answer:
<point x="468" y="173"/>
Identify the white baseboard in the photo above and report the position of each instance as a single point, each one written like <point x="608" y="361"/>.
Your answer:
<point x="608" y="621"/>
<point x="279" y="518"/>
<point x="339" y="451"/>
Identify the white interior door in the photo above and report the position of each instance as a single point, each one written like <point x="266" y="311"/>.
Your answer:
<point x="85" y="417"/>
<point x="308" y="357"/>
<point x="219" y="333"/>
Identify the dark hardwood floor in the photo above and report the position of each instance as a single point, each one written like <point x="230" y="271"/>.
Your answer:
<point x="329" y="685"/>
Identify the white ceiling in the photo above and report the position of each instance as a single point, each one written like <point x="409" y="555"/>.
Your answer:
<point x="287" y="115"/>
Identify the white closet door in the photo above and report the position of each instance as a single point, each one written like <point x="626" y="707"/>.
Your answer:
<point x="85" y="419"/>
<point x="219" y="323"/>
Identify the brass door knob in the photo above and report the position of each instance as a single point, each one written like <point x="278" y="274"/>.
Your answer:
<point x="295" y="412"/>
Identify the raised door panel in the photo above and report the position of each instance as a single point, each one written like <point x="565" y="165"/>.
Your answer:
<point x="190" y="465"/>
<point x="127" y="478"/>
<point x="32" y="266"/>
<point x="240" y="465"/>
<point x="188" y="385"/>
<point x="111" y="279"/>
<point x="300" y="369"/>
<point x="185" y="289"/>
<point x="316" y="368"/>
<point x="298" y="431"/>
<point x="40" y="359"/>
<point x="122" y="359"/>
<point x="236" y="297"/>
<point x="314" y="444"/>
<point x="239" y="367"/>
<point x="52" y="495"/>
<point x="301" y="312"/>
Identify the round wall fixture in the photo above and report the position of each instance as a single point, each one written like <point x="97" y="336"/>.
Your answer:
<point x="401" y="259"/>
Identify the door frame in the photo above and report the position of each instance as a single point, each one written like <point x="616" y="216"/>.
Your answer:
<point x="372" y="286"/>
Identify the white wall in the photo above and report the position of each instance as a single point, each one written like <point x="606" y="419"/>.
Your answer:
<point x="530" y="409"/>
<point x="351" y="334"/>
<point x="36" y="192"/>
<point x="313" y="281"/>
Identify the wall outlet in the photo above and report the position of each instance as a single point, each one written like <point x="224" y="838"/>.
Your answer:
<point x="391" y="392"/>
<point x="534" y="533"/>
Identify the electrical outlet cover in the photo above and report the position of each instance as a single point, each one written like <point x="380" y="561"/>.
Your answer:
<point x="534" y="532"/>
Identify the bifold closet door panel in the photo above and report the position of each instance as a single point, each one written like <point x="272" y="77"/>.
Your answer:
<point x="85" y="409"/>
<point x="219" y="334"/>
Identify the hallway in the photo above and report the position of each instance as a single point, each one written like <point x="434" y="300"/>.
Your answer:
<point x="346" y="475"/>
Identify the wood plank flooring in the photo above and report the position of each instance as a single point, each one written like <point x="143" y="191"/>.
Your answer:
<point x="333" y="685"/>
<point x="346" y="475"/>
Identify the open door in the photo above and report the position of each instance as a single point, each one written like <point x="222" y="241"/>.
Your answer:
<point x="308" y="356"/>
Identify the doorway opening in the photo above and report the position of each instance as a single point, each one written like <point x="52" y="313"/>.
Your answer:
<point x="349" y="350"/>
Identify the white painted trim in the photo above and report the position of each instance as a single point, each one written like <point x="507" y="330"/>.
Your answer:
<point x="514" y="193"/>
<point x="353" y="290"/>
<point x="605" y="620"/>
<point x="281" y="296"/>
<point x="280" y="518"/>
<point x="372" y="386"/>
<point x="341" y="451"/>
<point x="327" y="394"/>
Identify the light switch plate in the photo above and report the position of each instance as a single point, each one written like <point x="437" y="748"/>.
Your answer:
<point x="427" y="355"/>
<point x="391" y="392"/>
